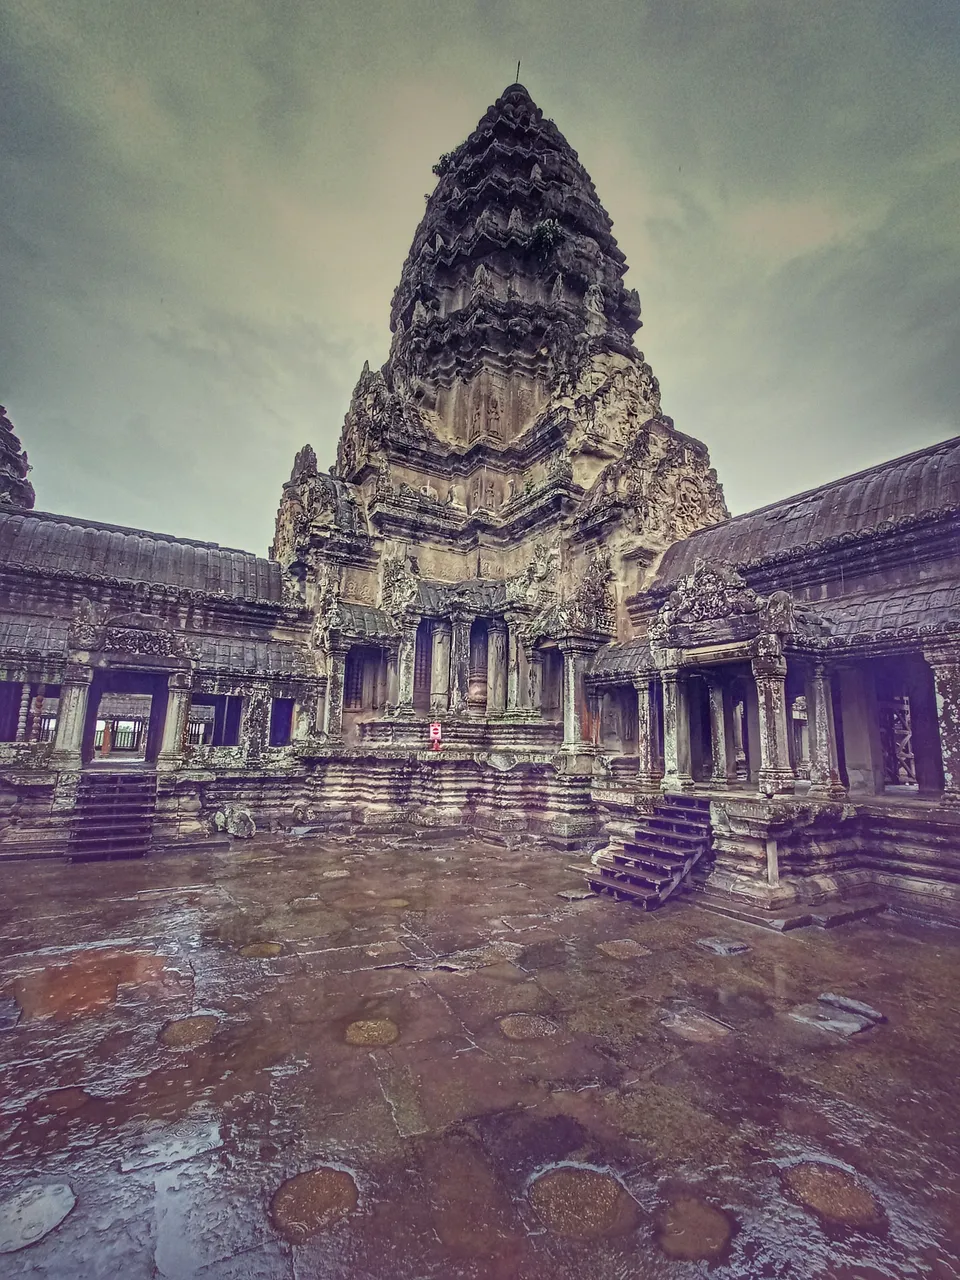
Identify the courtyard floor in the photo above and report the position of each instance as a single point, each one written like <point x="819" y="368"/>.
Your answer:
<point x="401" y="1057"/>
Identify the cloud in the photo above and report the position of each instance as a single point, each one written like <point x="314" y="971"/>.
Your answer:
<point x="206" y="211"/>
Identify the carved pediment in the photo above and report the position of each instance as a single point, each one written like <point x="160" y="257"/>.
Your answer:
<point x="94" y="627"/>
<point x="715" y="600"/>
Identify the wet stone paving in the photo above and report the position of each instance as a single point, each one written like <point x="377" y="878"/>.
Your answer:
<point x="405" y="1057"/>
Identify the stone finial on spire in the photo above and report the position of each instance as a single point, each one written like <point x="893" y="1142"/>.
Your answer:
<point x="15" y="489"/>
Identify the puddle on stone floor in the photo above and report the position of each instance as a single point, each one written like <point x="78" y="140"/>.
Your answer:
<point x="261" y="950"/>
<point x="526" y="1026"/>
<point x="580" y="1202"/>
<point x="58" y="1102"/>
<point x="88" y="984"/>
<point x="188" y="1033"/>
<point x="623" y="949"/>
<point x="313" y="1201"/>
<point x="834" y="1194"/>
<point x="177" y="1142"/>
<point x="32" y="1213"/>
<point x="693" y="1231"/>
<point x="372" y="1031"/>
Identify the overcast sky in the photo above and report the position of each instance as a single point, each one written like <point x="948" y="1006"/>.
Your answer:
<point x="205" y="208"/>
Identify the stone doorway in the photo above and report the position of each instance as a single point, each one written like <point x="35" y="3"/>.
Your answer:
<point x="109" y="690"/>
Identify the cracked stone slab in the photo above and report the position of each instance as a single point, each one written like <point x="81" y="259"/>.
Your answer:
<point x="700" y="1028"/>
<point x="848" y="1005"/>
<point x="576" y="895"/>
<point x="723" y="946"/>
<point x="840" y="1022"/>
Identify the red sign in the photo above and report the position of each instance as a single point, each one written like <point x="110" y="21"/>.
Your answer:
<point x="435" y="736"/>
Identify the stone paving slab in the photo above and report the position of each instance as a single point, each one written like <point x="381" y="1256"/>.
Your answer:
<point x="516" y="1084"/>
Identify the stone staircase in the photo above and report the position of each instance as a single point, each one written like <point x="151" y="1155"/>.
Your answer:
<point x="667" y="844"/>
<point x="114" y="815"/>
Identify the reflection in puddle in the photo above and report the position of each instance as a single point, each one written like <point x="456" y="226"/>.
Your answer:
<point x="313" y="1201"/>
<point x="693" y="1230"/>
<point x="33" y="1213"/>
<point x="88" y="984"/>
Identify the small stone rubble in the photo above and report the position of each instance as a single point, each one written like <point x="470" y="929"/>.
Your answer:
<point x="723" y="946"/>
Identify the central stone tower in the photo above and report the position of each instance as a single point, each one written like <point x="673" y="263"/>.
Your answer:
<point x="510" y="462"/>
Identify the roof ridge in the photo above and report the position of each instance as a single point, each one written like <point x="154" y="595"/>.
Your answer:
<point x="953" y="441"/>
<point x="84" y="523"/>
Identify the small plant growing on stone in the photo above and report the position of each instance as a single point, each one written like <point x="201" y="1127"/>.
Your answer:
<point x="546" y="236"/>
<point x="445" y="163"/>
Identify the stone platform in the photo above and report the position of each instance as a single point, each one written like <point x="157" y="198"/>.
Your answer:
<point x="394" y="1056"/>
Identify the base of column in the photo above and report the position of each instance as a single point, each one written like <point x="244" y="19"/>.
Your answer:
<point x="649" y="783"/>
<point x="776" y="782"/>
<point x="675" y="782"/>
<point x="950" y="800"/>
<point x="576" y="757"/>
<point x="66" y="760"/>
<point x="168" y="763"/>
<point x="828" y="790"/>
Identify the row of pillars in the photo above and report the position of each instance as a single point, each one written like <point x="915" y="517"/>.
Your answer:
<point x="514" y="675"/>
<point x="770" y="730"/>
<point x="74" y="706"/>
<point x="73" y="712"/>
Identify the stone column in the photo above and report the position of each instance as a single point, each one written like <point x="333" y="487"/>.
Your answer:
<point x="333" y="702"/>
<point x="770" y="675"/>
<point x="405" y="661"/>
<point x="514" y="668"/>
<point x="460" y="663"/>
<point x="393" y="677"/>
<point x="71" y="716"/>
<point x="676" y="734"/>
<point x="320" y="706"/>
<point x="179" y="684"/>
<point x="440" y="667"/>
<point x="721" y="734"/>
<point x="535" y="681"/>
<point x="946" y="680"/>
<point x="648" y="776"/>
<point x="737" y="711"/>
<point x="496" y="667"/>
<point x="574" y="661"/>
<point x="824" y="767"/>
<point x="23" y="712"/>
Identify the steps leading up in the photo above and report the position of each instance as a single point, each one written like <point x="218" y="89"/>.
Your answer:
<point x="666" y="846"/>
<point x="114" y="815"/>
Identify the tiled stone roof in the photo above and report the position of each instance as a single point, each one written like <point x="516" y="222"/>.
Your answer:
<point x="622" y="659"/>
<point x="33" y="637"/>
<point x="913" y="610"/>
<point x="903" y="490"/>
<point x="86" y="549"/>
<point x="250" y="657"/>
<point x="363" y="620"/>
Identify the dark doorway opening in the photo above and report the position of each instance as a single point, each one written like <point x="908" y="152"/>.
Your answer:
<point x="150" y="683"/>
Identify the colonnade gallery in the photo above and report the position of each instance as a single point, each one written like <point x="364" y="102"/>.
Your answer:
<point x="515" y="544"/>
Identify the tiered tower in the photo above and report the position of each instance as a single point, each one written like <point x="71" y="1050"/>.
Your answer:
<point x="15" y="489"/>
<point x="514" y="418"/>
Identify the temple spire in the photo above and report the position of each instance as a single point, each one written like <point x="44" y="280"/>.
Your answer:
<point x="15" y="489"/>
<point x="512" y="275"/>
